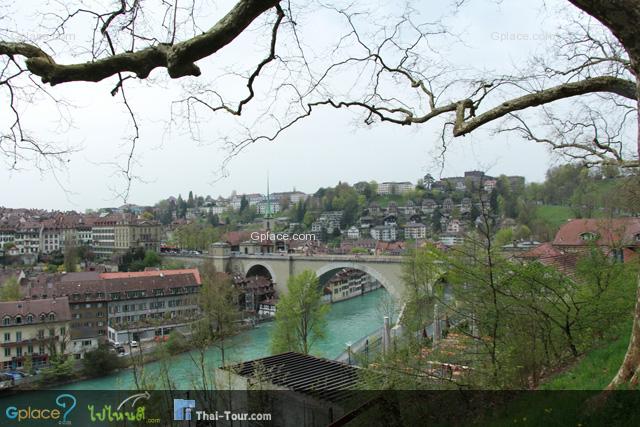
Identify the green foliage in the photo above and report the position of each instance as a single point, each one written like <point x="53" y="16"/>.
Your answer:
<point x="27" y="364"/>
<point x="173" y="265"/>
<point x="101" y="361"/>
<point x="152" y="259"/>
<point x="10" y="290"/>
<point x="300" y="315"/>
<point x="554" y="215"/>
<point x="70" y="258"/>
<point x="422" y="270"/>
<point x="177" y="343"/>
<point x="530" y="317"/>
<point x="60" y="369"/>
<point x="518" y="320"/>
<point x="595" y="370"/>
<point x="197" y="235"/>
<point x="137" y="259"/>
<point x="218" y="310"/>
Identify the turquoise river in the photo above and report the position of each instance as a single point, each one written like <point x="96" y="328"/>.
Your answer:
<point x="346" y="322"/>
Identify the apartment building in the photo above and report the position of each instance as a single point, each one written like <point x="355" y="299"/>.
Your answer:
<point x="386" y="188"/>
<point x="143" y="307"/>
<point x="386" y="233"/>
<point x="33" y="328"/>
<point x="120" y="306"/>
<point x="415" y="230"/>
<point x="116" y="233"/>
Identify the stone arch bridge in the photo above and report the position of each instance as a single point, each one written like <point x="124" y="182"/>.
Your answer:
<point x="386" y="269"/>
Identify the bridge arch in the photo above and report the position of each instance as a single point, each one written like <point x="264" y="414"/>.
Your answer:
<point x="258" y="269"/>
<point x="337" y="266"/>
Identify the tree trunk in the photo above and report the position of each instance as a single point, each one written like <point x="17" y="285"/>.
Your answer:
<point x="628" y="372"/>
<point x="630" y="368"/>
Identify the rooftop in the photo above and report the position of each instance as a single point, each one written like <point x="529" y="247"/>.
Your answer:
<point x="317" y="377"/>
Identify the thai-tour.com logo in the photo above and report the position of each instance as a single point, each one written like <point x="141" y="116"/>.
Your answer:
<point x="64" y="404"/>
<point x="182" y="409"/>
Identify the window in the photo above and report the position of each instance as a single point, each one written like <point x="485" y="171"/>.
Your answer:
<point x="30" y="318"/>
<point x="63" y="331"/>
<point x="29" y="349"/>
<point x="7" y="352"/>
<point x="19" y="351"/>
<point x="42" y="317"/>
<point x="40" y="349"/>
<point x="7" y="336"/>
<point x="18" y="336"/>
<point x="18" y="320"/>
<point x="52" y="332"/>
<point x="589" y="236"/>
<point x="41" y="334"/>
<point x="52" y="317"/>
<point x="6" y="320"/>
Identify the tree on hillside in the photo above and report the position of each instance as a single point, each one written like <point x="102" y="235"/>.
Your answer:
<point x="70" y="257"/>
<point x="10" y="290"/>
<point x="300" y="315"/>
<point x="219" y="313"/>
<point x="244" y="203"/>
<point x="100" y="361"/>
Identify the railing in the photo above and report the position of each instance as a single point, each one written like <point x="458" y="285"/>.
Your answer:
<point x="363" y="348"/>
<point x="328" y="257"/>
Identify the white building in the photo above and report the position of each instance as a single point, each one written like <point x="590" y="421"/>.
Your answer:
<point x="415" y="230"/>
<point x="454" y="226"/>
<point x="353" y="232"/>
<point x="451" y="239"/>
<point x="262" y="207"/>
<point x="385" y="188"/>
<point x="386" y="233"/>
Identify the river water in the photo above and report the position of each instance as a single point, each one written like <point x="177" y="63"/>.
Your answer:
<point x="347" y="321"/>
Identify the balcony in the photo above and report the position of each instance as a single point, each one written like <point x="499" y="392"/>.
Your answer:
<point x="32" y="341"/>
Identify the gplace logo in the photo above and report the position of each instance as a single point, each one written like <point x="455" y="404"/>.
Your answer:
<point x="182" y="409"/>
<point x="65" y="401"/>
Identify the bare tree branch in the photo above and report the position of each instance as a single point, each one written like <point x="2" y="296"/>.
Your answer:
<point x="179" y="59"/>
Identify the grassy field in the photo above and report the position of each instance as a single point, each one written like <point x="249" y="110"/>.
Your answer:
<point x="554" y="215"/>
<point x="595" y="369"/>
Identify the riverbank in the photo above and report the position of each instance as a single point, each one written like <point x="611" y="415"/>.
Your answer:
<point x="347" y="321"/>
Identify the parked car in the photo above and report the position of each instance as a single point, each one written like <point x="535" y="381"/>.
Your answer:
<point x="133" y="344"/>
<point x="6" y="381"/>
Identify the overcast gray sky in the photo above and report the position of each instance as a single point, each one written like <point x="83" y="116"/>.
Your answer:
<point x="327" y="148"/>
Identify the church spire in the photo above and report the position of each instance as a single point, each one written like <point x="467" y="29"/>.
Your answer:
<point x="268" y="212"/>
<point x="268" y="216"/>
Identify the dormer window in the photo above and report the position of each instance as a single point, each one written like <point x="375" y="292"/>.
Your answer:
<point x="637" y="237"/>
<point x="18" y="320"/>
<point x="6" y="321"/>
<point x="589" y="236"/>
<point x="42" y="317"/>
<point x="52" y="317"/>
<point x="30" y="318"/>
